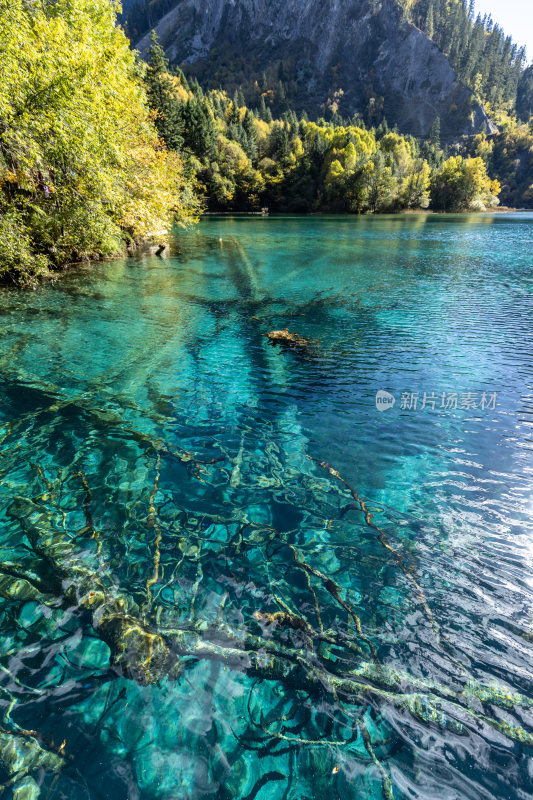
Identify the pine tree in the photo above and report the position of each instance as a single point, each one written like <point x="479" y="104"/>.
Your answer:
<point x="156" y="72"/>
<point x="524" y="104"/>
<point x="250" y="131"/>
<point x="280" y="146"/>
<point x="234" y="117"/>
<point x="200" y="132"/>
<point x="434" y="134"/>
<point x="169" y="121"/>
<point x="430" y="22"/>
<point x="263" y="109"/>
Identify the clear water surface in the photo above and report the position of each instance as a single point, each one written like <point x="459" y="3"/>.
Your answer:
<point x="172" y="456"/>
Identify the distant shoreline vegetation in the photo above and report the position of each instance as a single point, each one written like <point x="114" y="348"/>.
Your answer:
<point x="424" y="212"/>
<point x="240" y="159"/>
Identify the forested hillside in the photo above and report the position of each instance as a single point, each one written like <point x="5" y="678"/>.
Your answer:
<point x="524" y="100"/>
<point x="324" y="57"/>
<point x="484" y="59"/>
<point x="508" y="156"/>
<point x="243" y="160"/>
<point x="487" y="60"/>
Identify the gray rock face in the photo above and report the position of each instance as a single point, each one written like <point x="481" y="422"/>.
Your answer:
<point x="365" y="47"/>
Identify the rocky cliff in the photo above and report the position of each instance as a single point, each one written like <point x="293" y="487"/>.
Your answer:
<point x="367" y="48"/>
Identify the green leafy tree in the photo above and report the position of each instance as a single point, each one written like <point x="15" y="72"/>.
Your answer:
<point x="463" y="183"/>
<point x="82" y="167"/>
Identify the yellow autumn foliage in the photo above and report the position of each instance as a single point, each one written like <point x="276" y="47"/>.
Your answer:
<point x="77" y="134"/>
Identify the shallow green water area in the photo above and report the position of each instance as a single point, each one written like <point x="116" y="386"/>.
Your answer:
<point x="225" y="573"/>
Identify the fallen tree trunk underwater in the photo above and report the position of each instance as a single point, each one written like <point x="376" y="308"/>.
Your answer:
<point x="147" y="653"/>
<point x="338" y="661"/>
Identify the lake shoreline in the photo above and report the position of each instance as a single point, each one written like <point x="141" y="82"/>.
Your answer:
<point x="148" y="248"/>
<point x="403" y="212"/>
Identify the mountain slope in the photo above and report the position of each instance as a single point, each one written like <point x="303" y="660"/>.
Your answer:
<point x="366" y="49"/>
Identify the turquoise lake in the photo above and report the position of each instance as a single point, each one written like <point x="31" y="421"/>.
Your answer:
<point x="328" y="548"/>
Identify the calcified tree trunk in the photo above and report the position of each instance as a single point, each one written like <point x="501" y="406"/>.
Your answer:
<point x="305" y="658"/>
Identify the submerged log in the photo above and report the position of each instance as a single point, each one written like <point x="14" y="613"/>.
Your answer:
<point x="137" y="651"/>
<point x="21" y="757"/>
<point x="147" y="654"/>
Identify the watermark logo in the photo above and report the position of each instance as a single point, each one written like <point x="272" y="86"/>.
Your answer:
<point x="448" y="401"/>
<point x="385" y="401"/>
<point x="438" y="401"/>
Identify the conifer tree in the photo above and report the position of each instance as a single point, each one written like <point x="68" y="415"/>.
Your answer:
<point x="169" y="121"/>
<point x="434" y="135"/>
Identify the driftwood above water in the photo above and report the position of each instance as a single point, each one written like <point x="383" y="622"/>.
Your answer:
<point x="290" y="340"/>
